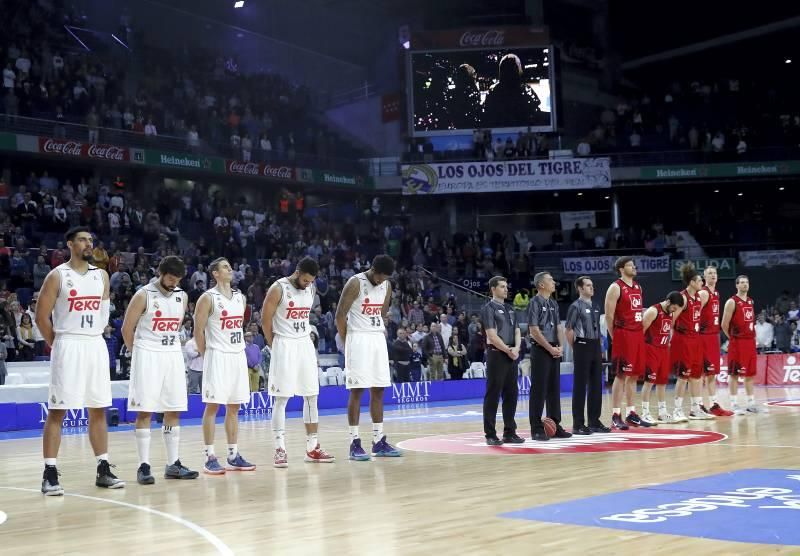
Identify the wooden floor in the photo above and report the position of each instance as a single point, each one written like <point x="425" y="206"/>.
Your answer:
<point x="423" y="503"/>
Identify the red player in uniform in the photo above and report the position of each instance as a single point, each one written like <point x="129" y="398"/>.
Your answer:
<point x="709" y="339"/>
<point x="624" y="320"/>
<point x="686" y="357"/>
<point x="657" y="325"/>
<point x="738" y="324"/>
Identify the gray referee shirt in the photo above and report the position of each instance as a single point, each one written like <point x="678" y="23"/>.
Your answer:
<point x="544" y="314"/>
<point x="500" y="316"/>
<point x="584" y="319"/>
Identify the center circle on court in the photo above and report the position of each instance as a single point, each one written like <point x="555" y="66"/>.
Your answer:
<point x="616" y="441"/>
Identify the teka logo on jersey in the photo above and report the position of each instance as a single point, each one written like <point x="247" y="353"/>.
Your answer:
<point x="371" y="309"/>
<point x="281" y="172"/>
<point x="233" y="322"/>
<point x="410" y="392"/>
<point x="244" y="168"/>
<point x="54" y="146"/>
<point x="491" y="37"/>
<point x="165" y="324"/>
<point x="72" y="417"/>
<point x="297" y="313"/>
<point x="636" y="300"/>
<point x="791" y="370"/>
<point x="107" y="152"/>
<point x="635" y="439"/>
<point x="260" y="404"/>
<point x="83" y="303"/>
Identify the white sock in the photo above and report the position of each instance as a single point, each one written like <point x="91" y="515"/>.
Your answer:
<point x="172" y="436"/>
<point x="679" y="403"/>
<point x="377" y="431"/>
<point x="50" y="461"/>
<point x="662" y="408"/>
<point x="696" y="403"/>
<point x="143" y="445"/>
<point x="630" y="409"/>
<point x="713" y="400"/>
<point x="311" y="442"/>
<point x="646" y="407"/>
<point x="751" y="400"/>
<point x="279" y="421"/>
<point x="279" y="436"/>
<point x="233" y="449"/>
<point x="102" y="457"/>
<point x="354" y="433"/>
<point x="617" y="410"/>
<point x="208" y="451"/>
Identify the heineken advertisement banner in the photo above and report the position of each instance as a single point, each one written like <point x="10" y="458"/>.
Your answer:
<point x="184" y="160"/>
<point x="341" y="179"/>
<point x="509" y="175"/>
<point x="726" y="267"/>
<point x="605" y="265"/>
<point x="768" y="258"/>
<point x="699" y="171"/>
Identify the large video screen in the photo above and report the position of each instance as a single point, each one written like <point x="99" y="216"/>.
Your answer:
<point x="510" y="89"/>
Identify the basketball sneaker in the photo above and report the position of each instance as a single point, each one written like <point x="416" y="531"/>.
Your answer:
<point x="105" y="478"/>
<point x="647" y="418"/>
<point x="357" y="453"/>
<point x="699" y="415"/>
<point x="50" y="485"/>
<point x="752" y="408"/>
<point x="738" y="410"/>
<point x="143" y="476"/>
<point x="280" y="460"/>
<point x="666" y="419"/>
<point x="634" y="420"/>
<point x="617" y="423"/>
<point x="717" y="410"/>
<point x="318" y="455"/>
<point x="382" y="449"/>
<point x="679" y="416"/>
<point x="179" y="471"/>
<point x="212" y="466"/>
<point x="709" y="415"/>
<point x="239" y="464"/>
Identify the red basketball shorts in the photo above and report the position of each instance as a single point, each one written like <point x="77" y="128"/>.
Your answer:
<point x="742" y="357"/>
<point x="627" y="352"/>
<point x="686" y="357"/>
<point x="656" y="364"/>
<point x="711" y="351"/>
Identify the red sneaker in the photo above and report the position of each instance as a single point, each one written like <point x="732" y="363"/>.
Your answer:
<point x="280" y="460"/>
<point x="717" y="410"/>
<point x="318" y="455"/>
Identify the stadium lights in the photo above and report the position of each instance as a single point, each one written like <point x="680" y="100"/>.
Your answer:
<point x="781" y="188"/>
<point x="407" y="45"/>
<point x="716" y="191"/>
<point x="739" y="194"/>
<point x="238" y="4"/>
<point x="788" y="61"/>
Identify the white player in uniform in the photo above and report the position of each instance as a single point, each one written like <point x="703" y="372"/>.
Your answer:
<point x="219" y="333"/>
<point x="76" y="295"/>
<point x="359" y="320"/>
<point x="293" y="367"/>
<point x="158" y="377"/>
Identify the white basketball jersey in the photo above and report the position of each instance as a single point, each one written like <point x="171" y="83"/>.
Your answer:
<point x="291" y="316"/>
<point x="225" y="326"/>
<point x="77" y="308"/>
<point x="365" y="314"/>
<point x="158" y="327"/>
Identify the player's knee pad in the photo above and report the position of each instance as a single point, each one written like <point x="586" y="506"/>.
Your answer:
<point x="310" y="411"/>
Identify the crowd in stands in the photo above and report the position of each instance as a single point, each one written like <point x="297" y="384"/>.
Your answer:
<point x="193" y="94"/>
<point x="776" y="325"/>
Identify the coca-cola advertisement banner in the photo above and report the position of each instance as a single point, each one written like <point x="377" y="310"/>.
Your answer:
<point x="260" y="169"/>
<point x="481" y="37"/>
<point x="79" y="149"/>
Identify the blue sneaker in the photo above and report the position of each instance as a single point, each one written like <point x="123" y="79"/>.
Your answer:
<point x="239" y="464"/>
<point x="382" y="449"/>
<point x="212" y="466"/>
<point x="357" y="453"/>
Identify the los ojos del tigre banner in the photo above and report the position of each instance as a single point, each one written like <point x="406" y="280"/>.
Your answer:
<point x="605" y="265"/>
<point x="507" y="175"/>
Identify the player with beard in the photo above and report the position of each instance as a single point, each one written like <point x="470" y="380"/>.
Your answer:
<point x="293" y="365"/>
<point x="738" y="324"/>
<point x="150" y="331"/>
<point x="709" y="339"/>
<point x="76" y="295"/>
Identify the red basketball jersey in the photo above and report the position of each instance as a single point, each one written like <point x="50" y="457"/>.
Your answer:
<point x="743" y="320"/>
<point x="709" y="316"/>
<point x="628" y="314"/>
<point x="688" y="322"/>
<point x="657" y="335"/>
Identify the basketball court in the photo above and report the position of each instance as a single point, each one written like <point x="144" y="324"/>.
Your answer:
<point x="718" y="487"/>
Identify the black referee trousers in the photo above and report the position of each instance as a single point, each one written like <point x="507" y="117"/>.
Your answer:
<point x="545" y="387"/>
<point x="501" y="379"/>
<point x="588" y="371"/>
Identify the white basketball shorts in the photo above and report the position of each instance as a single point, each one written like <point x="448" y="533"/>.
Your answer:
<point x="80" y="374"/>
<point x="366" y="360"/>
<point x="293" y="369"/>
<point x="225" y="377"/>
<point x="158" y="381"/>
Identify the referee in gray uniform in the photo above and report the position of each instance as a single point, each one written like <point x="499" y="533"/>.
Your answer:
<point x="583" y="334"/>
<point x="545" y="327"/>
<point x="502" y="350"/>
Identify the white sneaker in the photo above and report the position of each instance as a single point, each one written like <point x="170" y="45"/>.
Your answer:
<point x="678" y="416"/>
<point x="697" y="416"/>
<point x="752" y="408"/>
<point x="647" y="418"/>
<point x="708" y="415"/>
<point x="666" y="419"/>
<point x="738" y="410"/>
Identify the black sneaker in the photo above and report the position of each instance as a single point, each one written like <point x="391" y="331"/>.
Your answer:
<point x="179" y="471"/>
<point x="618" y="423"/>
<point x="50" y="485"/>
<point x="634" y="420"/>
<point x="513" y="438"/>
<point x="582" y="430"/>
<point x="561" y="433"/>
<point x="540" y="436"/>
<point x="599" y="427"/>
<point x="143" y="475"/>
<point x="493" y="441"/>
<point x="105" y="478"/>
